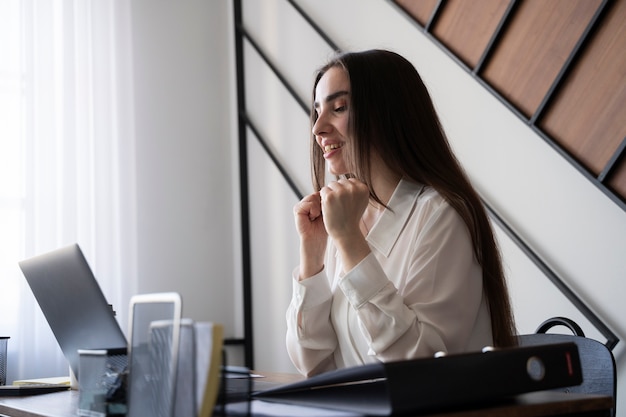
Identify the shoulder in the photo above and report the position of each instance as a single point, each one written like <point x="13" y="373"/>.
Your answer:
<point x="419" y="200"/>
<point x="432" y="208"/>
<point x="430" y="196"/>
<point x="431" y="201"/>
<point x="422" y="194"/>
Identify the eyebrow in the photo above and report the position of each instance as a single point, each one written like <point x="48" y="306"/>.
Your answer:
<point x="332" y="97"/>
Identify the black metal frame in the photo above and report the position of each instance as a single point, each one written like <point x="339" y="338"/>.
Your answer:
<point x="244" y="123"/>
<point x="248" y="339"/>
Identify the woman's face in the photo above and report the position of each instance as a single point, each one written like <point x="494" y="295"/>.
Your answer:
<point x="332" y="105"/>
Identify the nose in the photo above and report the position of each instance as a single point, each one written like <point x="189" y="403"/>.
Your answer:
<point x="320" y="127"/>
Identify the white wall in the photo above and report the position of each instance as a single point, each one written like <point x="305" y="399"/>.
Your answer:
<point x="187" y="182"/>
<point x="185" y="170"/>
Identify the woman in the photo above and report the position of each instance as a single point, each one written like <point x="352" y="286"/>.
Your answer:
<point x="397" y="256"/>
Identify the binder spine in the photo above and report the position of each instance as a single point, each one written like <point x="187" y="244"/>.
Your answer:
<point x="480" y="377"/>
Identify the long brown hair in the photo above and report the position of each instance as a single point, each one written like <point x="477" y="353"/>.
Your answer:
<point x="392" y="115"/>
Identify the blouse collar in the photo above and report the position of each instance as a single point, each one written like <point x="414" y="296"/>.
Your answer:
<point x="386" y="231"/>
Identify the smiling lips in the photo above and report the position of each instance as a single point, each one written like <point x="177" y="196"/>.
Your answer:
<point x="329" y="148"/>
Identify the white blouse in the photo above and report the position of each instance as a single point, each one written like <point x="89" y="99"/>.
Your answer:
<point x="417" y="293"/>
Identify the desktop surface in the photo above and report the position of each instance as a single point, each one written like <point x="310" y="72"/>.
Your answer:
<point x="536" y="404"/>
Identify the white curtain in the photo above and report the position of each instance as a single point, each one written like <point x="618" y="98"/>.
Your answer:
<point x="66" y="159"/>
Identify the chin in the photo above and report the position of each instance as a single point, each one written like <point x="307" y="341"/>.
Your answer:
<point x="337" y="172"/>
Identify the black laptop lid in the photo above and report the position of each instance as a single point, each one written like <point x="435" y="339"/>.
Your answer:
<point x="72" y="302"/>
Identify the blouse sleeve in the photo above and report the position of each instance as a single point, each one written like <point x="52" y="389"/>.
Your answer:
<point x="311" y="338"/>
<point x="437" y="301"/>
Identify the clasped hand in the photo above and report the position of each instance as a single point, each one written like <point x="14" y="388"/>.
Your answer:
<point x="335" y="210"/>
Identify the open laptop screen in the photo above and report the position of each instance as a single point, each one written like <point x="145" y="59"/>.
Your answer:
<point x="72" y="302"/>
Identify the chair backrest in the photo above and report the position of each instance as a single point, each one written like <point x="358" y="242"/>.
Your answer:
<point x="597" y="362"/>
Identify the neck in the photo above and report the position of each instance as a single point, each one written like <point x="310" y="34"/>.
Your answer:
<point x="384" y="183"/>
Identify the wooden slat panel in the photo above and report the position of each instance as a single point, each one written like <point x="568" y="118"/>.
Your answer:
<point x="466" y="27"/>
<point x="534" y="48"/>
<point x="420" y="10"/>
<point x="588" y="116"/>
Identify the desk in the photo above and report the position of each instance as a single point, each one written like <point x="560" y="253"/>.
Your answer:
<point x="537" y="404"/>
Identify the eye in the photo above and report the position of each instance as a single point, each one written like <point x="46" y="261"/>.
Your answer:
<point x="340" y="109"/>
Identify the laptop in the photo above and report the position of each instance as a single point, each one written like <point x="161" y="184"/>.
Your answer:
<point x="73" y="303"/>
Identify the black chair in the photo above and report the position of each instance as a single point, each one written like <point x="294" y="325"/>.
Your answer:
<point x="597" y="361"/>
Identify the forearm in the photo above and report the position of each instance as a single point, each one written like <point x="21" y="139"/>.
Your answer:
<point x="311" y="258"/>
<point x="352" y="250"/>
<point x="311" y="339"/>
<point x="307" y="358"/>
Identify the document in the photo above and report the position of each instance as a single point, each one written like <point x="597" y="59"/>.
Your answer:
<point x="267" y="409"/>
